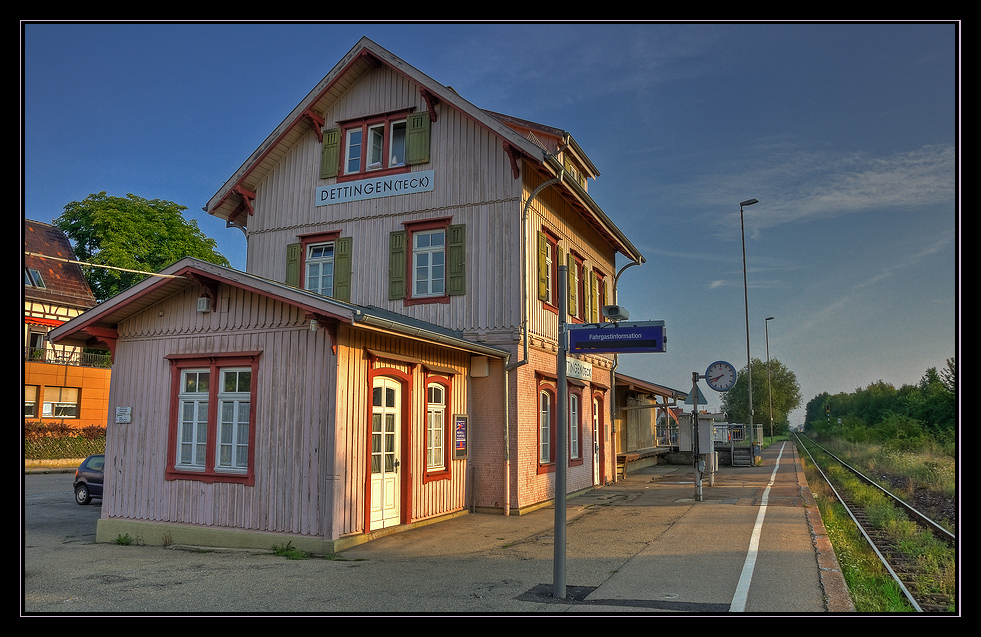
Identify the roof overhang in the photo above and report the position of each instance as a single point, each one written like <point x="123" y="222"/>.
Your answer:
<point x="233" y="202"/>
<point x="99" y="325"/>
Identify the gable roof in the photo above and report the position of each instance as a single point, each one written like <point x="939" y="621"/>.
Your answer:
<point x="233" y="202"/>
<point x="99" y="324"/>
<point x="64" y="282"/>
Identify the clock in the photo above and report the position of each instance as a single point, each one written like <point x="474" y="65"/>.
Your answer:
<point x="720" y="376"/>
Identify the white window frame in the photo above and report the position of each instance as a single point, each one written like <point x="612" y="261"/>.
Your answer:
<point x="234" y="406"/>
<point x="545" y="427"/>
<point x="428" y="264"/>
<point x="573" y="426"/>
<point x="192" y="423"/>
<point x="315" y="266"/>
<point x="376" y="145"/>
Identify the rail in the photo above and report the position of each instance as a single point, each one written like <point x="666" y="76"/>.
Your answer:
<point x="74" y="358"/>
<point x="883" y="551"/>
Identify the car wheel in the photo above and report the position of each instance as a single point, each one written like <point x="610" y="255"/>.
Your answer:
<point x="82" y="495"/>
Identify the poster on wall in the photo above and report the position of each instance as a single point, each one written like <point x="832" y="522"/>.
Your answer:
<point x="460" y="423"/>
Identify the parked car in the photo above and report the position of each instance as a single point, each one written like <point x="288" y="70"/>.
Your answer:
<point x="88" y="479"/>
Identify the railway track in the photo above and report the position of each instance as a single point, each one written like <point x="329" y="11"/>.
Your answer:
<point x="905" y="571"/>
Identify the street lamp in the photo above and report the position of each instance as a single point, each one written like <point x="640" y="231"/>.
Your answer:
<point x="766" y="329"/>
<point x="749" y="362"/>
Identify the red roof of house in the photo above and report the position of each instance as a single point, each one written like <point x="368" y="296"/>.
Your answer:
<point x="64" y="283"/>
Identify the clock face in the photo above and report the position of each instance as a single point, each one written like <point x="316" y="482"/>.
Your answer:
<point x="720" y="376"/>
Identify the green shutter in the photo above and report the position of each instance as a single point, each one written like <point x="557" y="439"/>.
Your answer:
<point x="542" y="267"/>
<point x="456" y="260"/>
<point x="594" y="297"/>
<point x="293" y="264"/>
<point x="417" y="138"/>
<point x="330" y="153"/>
<point x="573" y="282"/>
<point x="342" y="269"/>
<point x="396" y="265"/>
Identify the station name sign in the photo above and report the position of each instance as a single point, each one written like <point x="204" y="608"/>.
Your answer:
<point x="404" y="184"/>
<point x="618" y="338"/>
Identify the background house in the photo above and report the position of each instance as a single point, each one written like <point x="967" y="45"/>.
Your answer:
<point x="62" y="384"/>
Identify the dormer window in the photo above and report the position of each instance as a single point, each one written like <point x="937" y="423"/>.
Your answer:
<point x="33" y="278"/>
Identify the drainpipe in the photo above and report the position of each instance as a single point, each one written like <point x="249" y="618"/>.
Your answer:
<point x="613" y="379"/>
<point x="524" y="334"/>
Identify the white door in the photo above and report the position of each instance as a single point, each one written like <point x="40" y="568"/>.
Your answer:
<point x="596" y="449"/>
<point x="385" y="427"/>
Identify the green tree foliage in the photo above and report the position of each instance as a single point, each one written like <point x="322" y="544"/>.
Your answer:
<point x="786" y="396"/>
<point x="133" y="233"/>
<point x="903" y="417"/>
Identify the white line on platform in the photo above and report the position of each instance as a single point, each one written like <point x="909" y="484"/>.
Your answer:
<point x="738" y="604"/>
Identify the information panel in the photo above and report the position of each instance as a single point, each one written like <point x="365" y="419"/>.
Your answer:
<point x="618" y="338"/>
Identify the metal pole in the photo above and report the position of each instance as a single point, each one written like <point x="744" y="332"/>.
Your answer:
<point x="749" y="361"/>
<point x="695" y="446"/>
<point x="561" y="425"/>
<point x="769" y="386"/>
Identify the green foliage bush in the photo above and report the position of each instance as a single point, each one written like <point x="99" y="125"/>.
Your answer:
<point x="56" y="441"/>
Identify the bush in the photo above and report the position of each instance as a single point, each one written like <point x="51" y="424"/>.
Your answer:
<point x="56" y="441"/>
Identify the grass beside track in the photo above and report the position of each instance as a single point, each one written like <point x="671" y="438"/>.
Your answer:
<point x="871" y="587"/>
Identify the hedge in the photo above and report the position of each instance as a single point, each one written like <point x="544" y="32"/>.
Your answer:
<point x="55" y="441"/>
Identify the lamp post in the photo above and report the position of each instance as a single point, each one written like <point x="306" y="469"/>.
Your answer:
<point x="749" y="361"/>
<point x="769" y="388"/>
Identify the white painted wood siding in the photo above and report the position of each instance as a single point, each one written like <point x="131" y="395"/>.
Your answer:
<point x="291" y="421"/>
<point x="473" y="185"/>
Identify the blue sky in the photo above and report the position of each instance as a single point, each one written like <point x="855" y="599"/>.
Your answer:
<point x="848" y="134"/>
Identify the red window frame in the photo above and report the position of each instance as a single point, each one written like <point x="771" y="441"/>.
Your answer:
<point x="553" y="274"/>
<point x="431" y="475"/>
<point x="364" y="123"/>
<point x="412" y="227"/>
<point x="213" y="362"/>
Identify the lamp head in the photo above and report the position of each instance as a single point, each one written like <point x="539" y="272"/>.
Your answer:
<point x="748" y="202"/>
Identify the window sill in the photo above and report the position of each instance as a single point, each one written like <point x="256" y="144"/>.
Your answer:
<point x="424" y="300"/>
<point x="210" y="476"/>
<point x="370" y="174"/>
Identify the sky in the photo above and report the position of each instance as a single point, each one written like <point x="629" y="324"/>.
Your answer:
<point x="846" y="133"/>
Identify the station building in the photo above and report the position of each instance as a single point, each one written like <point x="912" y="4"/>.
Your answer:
<point x="389" y="355"/>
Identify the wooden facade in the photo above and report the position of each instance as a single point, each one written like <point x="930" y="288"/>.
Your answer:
<point x="465" y="327"/>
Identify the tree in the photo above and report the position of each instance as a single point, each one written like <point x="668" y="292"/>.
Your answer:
<point x="786" y="396"/>
<point x="133" y="233"/>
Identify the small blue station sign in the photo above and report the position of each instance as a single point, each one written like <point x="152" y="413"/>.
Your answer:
<point x="617" y="338"/>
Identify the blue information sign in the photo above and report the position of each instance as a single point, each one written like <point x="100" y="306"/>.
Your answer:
<point x="618" y="338"/>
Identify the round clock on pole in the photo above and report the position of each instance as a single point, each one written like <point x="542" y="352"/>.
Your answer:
<point x="720" y="376"/>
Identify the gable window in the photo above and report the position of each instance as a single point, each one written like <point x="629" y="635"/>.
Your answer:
<point x="427" y="261"/>
<point x="212" y="417"/>
<point x="384" y="143"/>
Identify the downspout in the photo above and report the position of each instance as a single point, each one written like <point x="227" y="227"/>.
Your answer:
<point x="524" y="334"/>
<point x="613" y="379"/>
